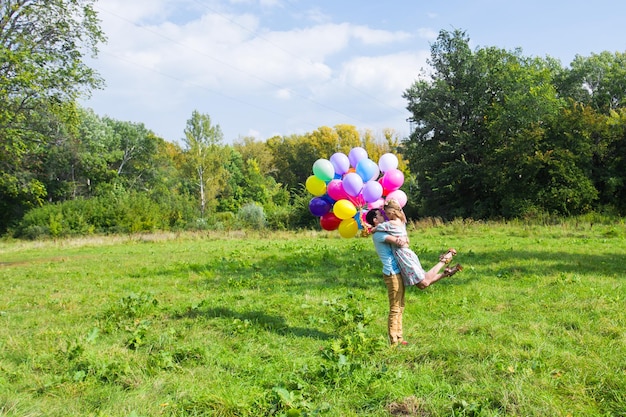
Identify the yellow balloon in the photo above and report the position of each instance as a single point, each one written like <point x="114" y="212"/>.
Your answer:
<point x="315" y="186"/>
<point x="348" y="228"/>
<point x="344" y="209"/>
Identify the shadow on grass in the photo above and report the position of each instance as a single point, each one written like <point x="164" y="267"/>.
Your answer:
<point x="260" y="319"/>
<point x="357" y="267"/>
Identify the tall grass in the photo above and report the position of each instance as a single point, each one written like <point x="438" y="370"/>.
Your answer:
<point x="288" y="324"/>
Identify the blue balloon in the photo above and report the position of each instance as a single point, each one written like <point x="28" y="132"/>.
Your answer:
<point x="367" y="169"/>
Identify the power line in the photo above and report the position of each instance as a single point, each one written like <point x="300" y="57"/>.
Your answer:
<point x="154" y="32"/>
<point x="296" y="56"/>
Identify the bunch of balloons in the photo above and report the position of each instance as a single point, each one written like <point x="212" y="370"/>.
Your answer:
<point x="346" y="186"/>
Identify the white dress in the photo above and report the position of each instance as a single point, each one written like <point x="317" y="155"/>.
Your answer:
<point x="410" y="266"/>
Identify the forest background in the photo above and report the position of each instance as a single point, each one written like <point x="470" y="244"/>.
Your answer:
<point x="495" y="135"/>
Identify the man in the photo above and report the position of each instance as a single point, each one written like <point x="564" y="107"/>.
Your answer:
<point x="386" y="245"/>
<point x="391" y="274"/>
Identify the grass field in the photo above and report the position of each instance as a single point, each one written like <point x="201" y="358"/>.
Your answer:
<point x="268" y="324"/>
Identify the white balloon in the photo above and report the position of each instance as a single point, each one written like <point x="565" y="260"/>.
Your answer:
<point x="388" y="161"/>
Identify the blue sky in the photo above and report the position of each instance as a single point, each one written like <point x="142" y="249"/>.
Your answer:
<point x="278" y="67"/>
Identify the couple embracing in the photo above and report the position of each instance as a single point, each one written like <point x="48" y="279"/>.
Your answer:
<point x="401" y="266"/>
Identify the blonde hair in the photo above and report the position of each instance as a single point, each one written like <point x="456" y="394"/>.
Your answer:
<point x="393" y="211"/>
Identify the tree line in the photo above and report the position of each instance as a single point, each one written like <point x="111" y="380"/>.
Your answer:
<point x="496" y="135"/>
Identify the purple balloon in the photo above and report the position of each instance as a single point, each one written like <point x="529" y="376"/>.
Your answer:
<point x="340" y="162"/>
<point x="352" y="184"/>
<point x="318" y="206"/>
<point x="372" y="191"/>
<point x="356" y="155"/>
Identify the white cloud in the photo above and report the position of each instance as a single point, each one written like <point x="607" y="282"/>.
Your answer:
<point x="385" y="76"/>
<point x="167" y="62"/>
<point x="378" y="37"/>
<point x="284" y="94"/>
<point x="427" y="33"/>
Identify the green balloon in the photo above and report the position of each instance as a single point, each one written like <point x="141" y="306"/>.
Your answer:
<point x="324" y="170"/>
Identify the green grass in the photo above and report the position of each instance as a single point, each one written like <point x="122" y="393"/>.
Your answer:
<point x="255" y="324"/>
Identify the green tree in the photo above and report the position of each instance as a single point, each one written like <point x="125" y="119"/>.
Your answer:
<point x="597" y="85"/>
<point x="42" y="72"/>
<point x="444" y="150"/>
<point x="486" y="142"/>
<point x="293" y="158"/>
<point x="133" y="148"/>
<point x="206" y="157"/>
<point x="250" y="148"/>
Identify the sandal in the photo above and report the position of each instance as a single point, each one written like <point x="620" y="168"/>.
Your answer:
<point x="447" y="257"/>
<point x="448" y="272"/>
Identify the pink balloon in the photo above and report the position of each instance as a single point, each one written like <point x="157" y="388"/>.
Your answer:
<point x="392" y="180"/>
<point x="335" y="190"/>
<point x="376" y="204"/>
<point x="399" y="196"/>
<point x="358" y="201"/>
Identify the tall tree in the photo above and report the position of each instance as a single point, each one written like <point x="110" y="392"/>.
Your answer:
<point x="206" y="157"/>
<point x="487" y="141"/>
<point x="42" y="44"/>
<point x="448" y="109"/>
<point x="597" y="85"/>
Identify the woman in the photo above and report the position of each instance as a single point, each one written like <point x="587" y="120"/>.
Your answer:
<point x="410" y="266"/>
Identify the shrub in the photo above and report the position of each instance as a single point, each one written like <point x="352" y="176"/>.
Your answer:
<point x="252" y="216"/>
<point x="118" y="212"/>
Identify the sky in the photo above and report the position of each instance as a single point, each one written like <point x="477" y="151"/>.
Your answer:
<point x="261" y="68"/>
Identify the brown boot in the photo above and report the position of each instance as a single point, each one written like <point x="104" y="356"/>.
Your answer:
<point x="447" y="257"/>
<point x="448" y="272"/>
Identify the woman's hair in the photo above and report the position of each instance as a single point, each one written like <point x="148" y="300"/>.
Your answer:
<point x="393" y="210"/>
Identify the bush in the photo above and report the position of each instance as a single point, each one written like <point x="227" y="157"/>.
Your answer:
<point x="251" y="216"/>
<point x="119" y="212"/>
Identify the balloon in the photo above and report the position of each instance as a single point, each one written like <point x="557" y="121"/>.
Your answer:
<point x="356" y="154"/>
<point x="376" y="204"/>
<point x="318" y="206"/>
<point x="315" y="186"/>
<point x="344" y="209"/>
<point x="372" y="191"/>
<point x="327" y="198"/>
<point x="335" y="190"/>
<point x="352" y="184"/>
<point x="358" y="201"/>
<point x="348" y="228"/>
<point x="399" y="196"/>
<point x="329" y="221"/>
<point x="340" y="162"/>
<point x="360" y="218"/>
<point x="387" y="161"/>
<point x="385" y="190"/>
<point x="323" y="169"/>
<point x="344" y="185"/>
<point x="393" y="179"/>
<point x="367" y="169"/>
